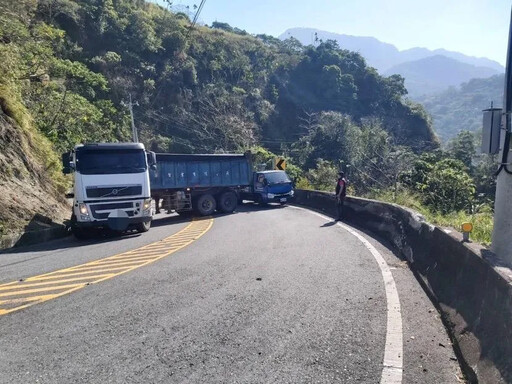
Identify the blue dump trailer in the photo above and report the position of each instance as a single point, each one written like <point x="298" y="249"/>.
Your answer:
<point x="209" y="183"/>
<point x="201" y="183"/>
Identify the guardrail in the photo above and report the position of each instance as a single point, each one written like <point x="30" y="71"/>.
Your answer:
<point x="466" y="281"/>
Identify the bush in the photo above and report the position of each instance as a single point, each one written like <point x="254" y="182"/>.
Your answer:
<point x="482" y="218"/>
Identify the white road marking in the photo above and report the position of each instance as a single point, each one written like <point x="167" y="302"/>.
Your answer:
<point x="393" y="352"/>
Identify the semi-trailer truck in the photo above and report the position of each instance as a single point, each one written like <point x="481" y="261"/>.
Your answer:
<point x="115" y="183"/>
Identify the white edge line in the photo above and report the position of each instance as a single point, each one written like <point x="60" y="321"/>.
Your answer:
<point x="393" y="352"/>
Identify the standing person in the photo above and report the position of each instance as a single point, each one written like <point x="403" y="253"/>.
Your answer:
<point x="341" y="192"/>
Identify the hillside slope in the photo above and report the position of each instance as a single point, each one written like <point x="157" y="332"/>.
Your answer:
<point x="436" y="73"/>
<point x="29" y="197"/>
<point x="461" y="108"/>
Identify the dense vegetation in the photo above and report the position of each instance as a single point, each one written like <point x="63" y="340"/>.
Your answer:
<point x="460" y="108"/>
<point x="73" y="65"/>
<point x="202" y="89"/>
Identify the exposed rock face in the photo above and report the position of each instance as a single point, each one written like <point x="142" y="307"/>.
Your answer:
<point x="29" y="198"/>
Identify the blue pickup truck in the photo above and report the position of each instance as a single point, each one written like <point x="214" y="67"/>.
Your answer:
<point x="218" y="182"/>
<point x="269" y="187"/>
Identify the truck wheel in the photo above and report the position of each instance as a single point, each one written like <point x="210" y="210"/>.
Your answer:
<point x="206" y="205"/>
<point x="228" y="201"/>
<point x="79" y="233"/>
<point x="143" y="227"/>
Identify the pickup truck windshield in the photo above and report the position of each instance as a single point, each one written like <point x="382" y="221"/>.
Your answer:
<point x="111" y="162"/>
<point x="278" y="177"/>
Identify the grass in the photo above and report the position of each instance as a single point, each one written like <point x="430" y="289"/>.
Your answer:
<point x="482" y="219"/>
<point x="35" y="143"/>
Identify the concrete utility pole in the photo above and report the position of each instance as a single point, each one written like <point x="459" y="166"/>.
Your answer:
<point x="502" y="233"/>
<point x="135" y="137"/>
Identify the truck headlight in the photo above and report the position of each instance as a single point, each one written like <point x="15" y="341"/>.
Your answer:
<point x="292" y="192"/>
<point x="83" y="209"/>
<point x="147" y="204"/>
<point x="270" y="195"/>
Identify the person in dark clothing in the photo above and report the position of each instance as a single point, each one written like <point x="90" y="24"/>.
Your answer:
<point x="341" y="192"/>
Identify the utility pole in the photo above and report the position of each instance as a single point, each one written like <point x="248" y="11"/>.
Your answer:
<point x="502" y="232"/>
<point x="135" y="137"/>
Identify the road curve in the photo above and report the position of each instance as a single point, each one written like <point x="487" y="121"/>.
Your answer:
<point x="275" y="295"/>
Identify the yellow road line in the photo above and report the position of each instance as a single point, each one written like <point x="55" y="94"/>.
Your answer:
<point x="17" y="295"/>
<point x="35" y="290"/>
<point x="86" y="278"/>
<point x="91" y="273"/>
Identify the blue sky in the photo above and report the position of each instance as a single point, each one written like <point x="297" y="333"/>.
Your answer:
<point x="476" y="28"/>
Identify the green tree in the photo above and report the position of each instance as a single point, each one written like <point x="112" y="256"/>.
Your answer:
<point x="443" y="183"/>
<point x="323" y="177"/>
<point x="462" y="148"/>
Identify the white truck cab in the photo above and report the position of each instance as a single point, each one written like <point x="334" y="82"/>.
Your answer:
<point x="111" y="187"/>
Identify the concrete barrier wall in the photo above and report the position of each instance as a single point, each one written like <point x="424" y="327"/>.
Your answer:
<point x="33" y="237"/>
<point x="466" y="281"/>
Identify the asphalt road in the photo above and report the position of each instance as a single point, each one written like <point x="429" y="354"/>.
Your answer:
<point x="275" y="295"/>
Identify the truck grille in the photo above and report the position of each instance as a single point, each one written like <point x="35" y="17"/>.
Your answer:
<point x="110" y="207"/>
<point x="115" y="191"/>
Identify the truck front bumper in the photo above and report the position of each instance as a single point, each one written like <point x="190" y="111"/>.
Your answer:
<point x="111" y="223"/>
<point x="282" y="198"/>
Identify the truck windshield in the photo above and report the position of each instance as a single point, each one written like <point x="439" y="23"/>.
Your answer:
<point x="279" y="177"/>
<point x="111" y="161"/>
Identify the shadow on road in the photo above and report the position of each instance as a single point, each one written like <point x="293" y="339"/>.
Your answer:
<point x="108" y="237"/>
<point x="253" y="207"/>
<point x="98" y="238"/>
<point x="328" y="224"/>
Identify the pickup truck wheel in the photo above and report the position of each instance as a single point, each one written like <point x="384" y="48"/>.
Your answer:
<point x="206" y="205"/>
<point x="228" y="201"/>
<point x="143" y="227"/>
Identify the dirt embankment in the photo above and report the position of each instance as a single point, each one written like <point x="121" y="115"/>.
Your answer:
<point x="29" y="199"/>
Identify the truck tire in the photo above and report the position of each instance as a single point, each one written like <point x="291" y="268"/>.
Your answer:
<point x="143" y="227"/>
<point x="228" y="201"/>
<point x="79" y="233"/>
<point x="205" y="205"/>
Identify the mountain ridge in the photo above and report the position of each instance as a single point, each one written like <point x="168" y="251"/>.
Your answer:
<point x="387" y="55"/>
<point x="434" y="74"/>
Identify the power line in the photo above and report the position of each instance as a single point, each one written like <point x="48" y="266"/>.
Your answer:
<point x="197" y="13"/>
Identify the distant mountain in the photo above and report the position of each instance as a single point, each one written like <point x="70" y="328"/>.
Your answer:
<point x="434" y="74"/>
<point x="378" y="54"/>
<point x="421" y="53"/>
<point x="381" y="55"/>
<point x="461" y="108"/>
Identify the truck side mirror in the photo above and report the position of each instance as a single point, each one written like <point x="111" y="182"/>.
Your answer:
<point x="66" y="163"/>
<point x="151" y="156"/>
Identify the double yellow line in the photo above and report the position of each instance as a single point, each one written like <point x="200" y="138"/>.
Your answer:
<point x="37" y="289"/>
